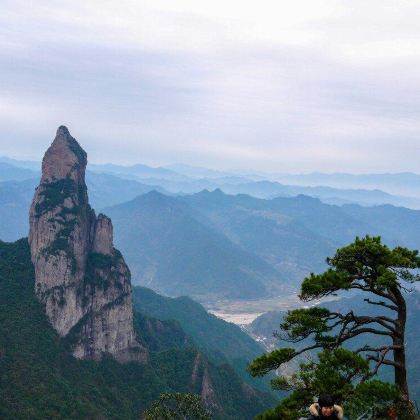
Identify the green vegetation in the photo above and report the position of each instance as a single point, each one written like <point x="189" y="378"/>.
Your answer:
<point x="101" y="261"/>
<point x="54" y="193"/>
<point x="99" y="271"/>
<point x="39" y="379"/>
<point x="61" y="241"/>
<point x="220" y="341"/>
<point x="265" y="324"/>
<point x="161" y="335"/>
<point x="337" y="372"/>
<point x="177" y="406"/>
<point x="290" y="235"/>
<point x="15" y="201"/>
<point x="371" y="267"/>
<point x="294" y="234"/>
<point x="77" y="150"/>
<point x="163" y="241"/>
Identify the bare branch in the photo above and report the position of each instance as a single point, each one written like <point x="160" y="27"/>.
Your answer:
<point x="384" y="361"/>
<point x="285" y="337"/>
<point x="357" y="331"/>
<point x="314" y="346"/>
<point x="378" y="349"/>
<point x="381" y="303"/>
<point x="407" y="290"/>
<point x="390" y="296"/>
<point x="363" y="320"/>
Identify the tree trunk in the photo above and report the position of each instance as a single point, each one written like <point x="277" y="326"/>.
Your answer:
<point x="400" y="370"/>
<point x="399" y="355"/>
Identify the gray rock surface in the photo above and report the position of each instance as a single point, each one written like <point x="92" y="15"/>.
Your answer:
<point x="80" y="278"/>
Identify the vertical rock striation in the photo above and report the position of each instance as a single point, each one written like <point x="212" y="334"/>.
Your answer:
<point x="80" y="278"/>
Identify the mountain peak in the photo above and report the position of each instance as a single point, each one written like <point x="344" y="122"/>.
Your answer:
<point x="63" y="130"/>
<point x="65" y="158"/>
<point x="80" y="278"/>
<point x="217" y="192"/>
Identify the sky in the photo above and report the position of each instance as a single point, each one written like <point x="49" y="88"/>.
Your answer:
<point x="281" y="86"/>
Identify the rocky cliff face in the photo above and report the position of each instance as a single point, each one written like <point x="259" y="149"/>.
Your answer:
<point x="80" y="278"/>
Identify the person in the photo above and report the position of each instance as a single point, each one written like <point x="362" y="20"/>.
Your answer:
<point x="325" y="409"/>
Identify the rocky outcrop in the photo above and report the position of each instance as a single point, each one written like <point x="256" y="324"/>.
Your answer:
<point x="80" y="278"/>
<point x="208" y="396"/>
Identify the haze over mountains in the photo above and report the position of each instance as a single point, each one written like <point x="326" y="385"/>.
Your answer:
<point x="172" y="251"/>
<point x="400" y="189"/>
<point x="209" y="245"/>
<point x="213" y="245"/>
<point x="67" y="319"/>
<point x="223" y="151"/>
<point x="292" y="236"/>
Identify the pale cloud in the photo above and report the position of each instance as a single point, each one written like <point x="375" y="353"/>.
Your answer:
<point x="303" y="85"/>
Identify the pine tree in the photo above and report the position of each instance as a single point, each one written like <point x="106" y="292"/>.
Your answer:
<point x="382" y="275"/>
<point x="173" y="406"/>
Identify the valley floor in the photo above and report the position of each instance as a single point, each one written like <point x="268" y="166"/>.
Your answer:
<point x="243" y="312"/>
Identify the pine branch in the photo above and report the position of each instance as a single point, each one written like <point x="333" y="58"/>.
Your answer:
<point x="381" y="303"/>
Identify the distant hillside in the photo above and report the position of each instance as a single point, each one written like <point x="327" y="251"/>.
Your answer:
<point x="108" y="190"/>
<point x="221" y="341"/>
<point x="40" y="379"/>
<point x="296" y="234"/>
<point x="196" y="171"/>
<point x="400" y="189"/>
<point x="10" y="172"/>
<point x="26" y="164"/>
<point x="269" y="189"/>
<point x="397" y="225"/>
<point x="213" y="245"/>
<point x="104" y="190"/>
<point x="278" y="234"/>
<point x="170" y="249"/>
<point x="404" y="183"/>
<point x="136" y="171"/>
<point x="329" y="195"/>
<point x="15" y="200"/>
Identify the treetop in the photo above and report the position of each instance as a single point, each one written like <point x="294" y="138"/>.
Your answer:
<point x="365" y="264"/>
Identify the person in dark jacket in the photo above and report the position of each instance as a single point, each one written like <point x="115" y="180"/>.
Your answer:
<point x="325" y="409"/>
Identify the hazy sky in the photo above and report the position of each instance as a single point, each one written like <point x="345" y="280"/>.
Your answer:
<point x="286" y="86"/>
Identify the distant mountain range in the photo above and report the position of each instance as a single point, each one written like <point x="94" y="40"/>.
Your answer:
<point x="136" y="171"/>
<point x="212" y="245"/>
<point x="107" y="190"/>
<point x="25" y="164"/>
<point x="405" y="183"/>
<point x="296" y="234"/>
<point x="15" y="200"/>
<point x="170" y="249"/>
<point x="13" y="173"/>
<point x="329" y="195"/>
<point x="197" y="172"/>
<point x="400" y="189"/>
<point x="104" y="190"/>
<point x="209" y="245"/>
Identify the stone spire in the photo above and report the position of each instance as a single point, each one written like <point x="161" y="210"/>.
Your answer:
<point x="80" y="278"/>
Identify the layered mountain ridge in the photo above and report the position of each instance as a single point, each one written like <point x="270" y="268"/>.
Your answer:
<point x="80" y="278"/>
